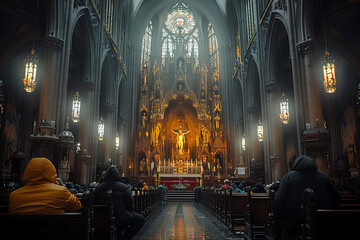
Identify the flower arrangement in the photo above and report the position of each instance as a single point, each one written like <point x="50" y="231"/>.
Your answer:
<point x="180" y="186"/>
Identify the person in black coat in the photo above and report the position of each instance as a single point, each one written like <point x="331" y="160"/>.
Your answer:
<point x="125" y="217"/>
<point x="288" y="198"/>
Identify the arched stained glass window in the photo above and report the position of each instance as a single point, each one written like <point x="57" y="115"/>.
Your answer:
<point x="213" y="47"/>
<point x="180" y="19"/>
<point x="109" y="15"/>
<point x="146" y="47"/>
<point x="193" y="47"/>
<point x="250" y="18"/>
<point x="167" y="47"/>
<point x="180" y="35"/>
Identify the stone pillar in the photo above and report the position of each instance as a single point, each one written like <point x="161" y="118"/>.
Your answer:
<point x="87" y="132"/>
<point x="276" y="146"/>
<point x="315" y="137"/>
<point x="254" y="146"/>
<point x="50" y="82"/>
<point x="44" y="138"/>
<point x="107" y="145"/>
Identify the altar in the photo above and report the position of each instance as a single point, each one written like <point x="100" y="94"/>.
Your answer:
<point x="180" y="181"/>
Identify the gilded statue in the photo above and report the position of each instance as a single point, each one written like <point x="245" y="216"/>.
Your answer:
<point x="180" y="139"/>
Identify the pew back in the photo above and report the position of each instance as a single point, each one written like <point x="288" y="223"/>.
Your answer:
<point x="61" y="226"/>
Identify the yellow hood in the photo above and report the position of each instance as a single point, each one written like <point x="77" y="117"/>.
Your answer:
<point x="39" y="171"/>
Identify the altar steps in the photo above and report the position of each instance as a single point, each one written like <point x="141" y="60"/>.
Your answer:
<point x="180" y="196"/>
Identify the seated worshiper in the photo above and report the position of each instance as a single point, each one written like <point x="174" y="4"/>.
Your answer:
<point x="125" y="217"/>
<point x="258" y="188"/>
<point x="288" y="198"/>
<point x="41" y="193"/>
<point x="225" y="185"/>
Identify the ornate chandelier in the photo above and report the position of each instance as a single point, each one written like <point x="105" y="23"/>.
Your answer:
<point x="76" y="107"/>
<point x="101" y="129"/>
<point x="117" y="141"/>
<point x="260" y="132"/>
<point x="284" y="109"/>
<point x="243" y="142"/>
<point x="31" y="62"/>
<point x="329" y="73"/>
<point x="29" y="80"/>
<point x="328" y="64"/>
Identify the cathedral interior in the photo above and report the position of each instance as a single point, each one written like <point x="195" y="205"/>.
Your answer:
<point x="203" y="90"/>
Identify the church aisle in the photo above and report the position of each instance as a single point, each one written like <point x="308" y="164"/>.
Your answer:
<point x="187" y="220"/>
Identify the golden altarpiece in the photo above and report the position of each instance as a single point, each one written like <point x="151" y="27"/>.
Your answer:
<point x="179" y="127"/>
<point x="180" y="132"/>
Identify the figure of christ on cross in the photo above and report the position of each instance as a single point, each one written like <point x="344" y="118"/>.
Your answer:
<point x="180" y="139"/>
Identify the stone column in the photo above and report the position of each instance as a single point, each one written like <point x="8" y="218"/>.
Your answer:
<point x="44" y="139"/>
<point x="87" y="132"/>
<point x="50" y="82"/>
<point x="107" y="145"/>
<point x="276" y="146"/>
<point x="315" y="137"/>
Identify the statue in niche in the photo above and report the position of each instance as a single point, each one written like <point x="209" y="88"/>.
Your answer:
<point x="204" y="134"/>
<point x="180" y="139"/>
<point x="143" y="120"/>
<point x="157" y="132"/>
<point x="64" y="164"/>
<point x="351" y="156"/>
<point x="143" y="166"/>
<point x="217" y="121"/>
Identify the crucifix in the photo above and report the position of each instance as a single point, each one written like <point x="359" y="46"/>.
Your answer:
<point x="180" y="139"/>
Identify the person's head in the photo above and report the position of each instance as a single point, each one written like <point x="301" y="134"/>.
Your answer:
<point x="226" y="181"/>
<point x="258" y="188"/>
<point x="70" y="185"/>
<point x="40" y="170"/>
<point x="304" y="163"/>
<point x="112" y="174"/>
<point x="92" y="185"/>
<point x="60" y="182"/>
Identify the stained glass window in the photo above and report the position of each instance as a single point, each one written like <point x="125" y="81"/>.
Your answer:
<point x="213" y="47"/>
<point x="250" y="18"/>
<point x="180" y="19"/>
<point x="193" y="47"/>
<point x="109" y="15"/>
<point x="167" y="46"/>
<point x="180" y="31"/>
<point x="146" y="47"/>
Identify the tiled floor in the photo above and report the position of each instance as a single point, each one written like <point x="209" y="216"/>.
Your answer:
<point x="187" y="220"/>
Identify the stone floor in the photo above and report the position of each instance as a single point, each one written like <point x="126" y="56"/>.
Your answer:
<point x="184" y="220"/>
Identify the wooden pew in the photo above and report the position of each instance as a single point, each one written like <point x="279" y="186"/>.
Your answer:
<point x="328" y="223"/>
<point x="102" y="220"/>
<point x="256" y="216"/>
<point x="237" y="209"/>
<point x="58" y="226"/>
<point x="61" y="226"/>
<point x="273" y="229"/>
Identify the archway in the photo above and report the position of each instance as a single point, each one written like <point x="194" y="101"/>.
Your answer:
<point x="79" y="74"/>
<point x="254" y="116"/>
<point x="282" y="134"/>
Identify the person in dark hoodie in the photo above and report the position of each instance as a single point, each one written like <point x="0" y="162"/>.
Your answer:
<point x="288" y="198"/>
<point x="125" y="218"/>
<point x="258" y="188"/>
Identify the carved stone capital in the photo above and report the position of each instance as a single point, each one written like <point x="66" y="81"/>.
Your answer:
<point x="272" y="86"/>
<point x="110" y="107"/>
<point x="89" y="84"/>
<point x="53" y="42"/>
<point x="304" y="47"/>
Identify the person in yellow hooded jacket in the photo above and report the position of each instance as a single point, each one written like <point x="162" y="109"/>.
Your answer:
<point x="41" y="194"/>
